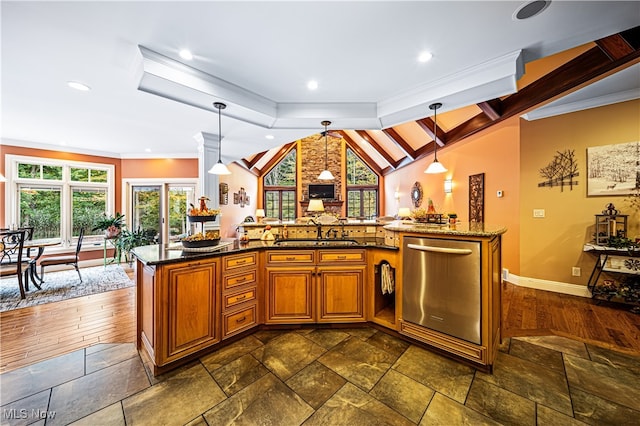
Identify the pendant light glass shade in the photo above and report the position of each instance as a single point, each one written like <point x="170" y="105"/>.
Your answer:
<point x="219" y="168"/>
<point x="436" y="166"/>
<point x="326" y="174"/>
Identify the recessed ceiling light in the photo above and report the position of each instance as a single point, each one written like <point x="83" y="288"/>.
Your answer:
<point x="147" y="150"/>
<point x="270" y="137"/>
<point x="530" y="9"/>
<point x="78" y="86"/>
<point x="312" y="85"/>
<point x="186" y="55"/>
<point x="424" y="57"/>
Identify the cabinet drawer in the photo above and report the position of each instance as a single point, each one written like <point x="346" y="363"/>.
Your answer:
<point x="341" y="256"/>
<point x="231" y="300"/>
<point x="239" y="261"/>
<point x="290" y="257"/>
<point x="237" y="321"/>
<point x="231" y="281"/>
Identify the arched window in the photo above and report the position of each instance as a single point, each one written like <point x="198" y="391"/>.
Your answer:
<point x="280" y="189"/>
<point x="362" y="188"/>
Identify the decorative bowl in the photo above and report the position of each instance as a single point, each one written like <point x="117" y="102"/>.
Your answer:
<point x="202" y="218"/>
<point x="200" y="243"/>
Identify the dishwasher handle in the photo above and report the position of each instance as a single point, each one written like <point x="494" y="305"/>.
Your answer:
<point x="439" y="249"/>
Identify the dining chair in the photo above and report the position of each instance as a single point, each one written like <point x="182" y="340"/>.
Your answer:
<point x="64" y="260"/>
<point x="11" y="262"/>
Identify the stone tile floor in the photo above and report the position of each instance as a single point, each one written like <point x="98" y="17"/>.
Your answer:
<point x="357" y="376"/>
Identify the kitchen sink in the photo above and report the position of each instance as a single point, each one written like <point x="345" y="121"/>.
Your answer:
<point x="314" y="243"/>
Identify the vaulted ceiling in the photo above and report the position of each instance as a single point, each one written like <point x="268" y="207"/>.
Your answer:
<point x="146" y="101"/>
<point x="396" y="146"/>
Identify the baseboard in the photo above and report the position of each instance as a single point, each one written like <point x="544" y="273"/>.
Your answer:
<point x="82" y="264"/>
<point x="555" y="286"/>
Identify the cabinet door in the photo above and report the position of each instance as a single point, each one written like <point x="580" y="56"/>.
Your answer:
<point x="290" y="295"/>
<point x="341" y="294"/>
<point x="193" y="310"/>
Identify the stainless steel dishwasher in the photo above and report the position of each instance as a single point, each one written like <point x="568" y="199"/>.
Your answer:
<point x="441" y="286"/>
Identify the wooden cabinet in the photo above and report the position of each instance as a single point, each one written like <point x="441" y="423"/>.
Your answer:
<point x="178" y="309"/>
<point x="240" y="293"/>
<point x="311" y="286"/>
<point x="341" y="285"/>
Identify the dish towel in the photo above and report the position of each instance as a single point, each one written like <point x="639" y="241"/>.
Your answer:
<point x="386" y="279"/>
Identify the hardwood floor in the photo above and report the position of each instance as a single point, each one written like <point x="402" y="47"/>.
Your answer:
<point x="530" y="312"/>
<point x="34" y="334"/>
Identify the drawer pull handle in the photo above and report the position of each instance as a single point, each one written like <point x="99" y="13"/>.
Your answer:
<point x="243" y="319"/>
<point x="241" y="261"/>
<point x="241" y="279"/>
<point x="244" y="296"/>
<point x="290" y="258"/>
<point x="342" y="257"/>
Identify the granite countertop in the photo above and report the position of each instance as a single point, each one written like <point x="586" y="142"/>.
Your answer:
<point x="462" y="229"/>
<point x="173" y="252"/>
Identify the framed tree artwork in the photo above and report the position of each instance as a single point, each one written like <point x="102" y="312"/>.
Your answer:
<point x="613" y="169"/>
<point x="476" y="198"/>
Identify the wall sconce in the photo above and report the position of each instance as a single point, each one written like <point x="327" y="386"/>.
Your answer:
<point x="396" y="195"/>
<point x="448" y="186"/>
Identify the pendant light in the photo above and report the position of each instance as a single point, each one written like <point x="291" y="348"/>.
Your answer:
<point x="436" y="166"/>
<point x="219" y="168"/>
<point x="326" y="174"/>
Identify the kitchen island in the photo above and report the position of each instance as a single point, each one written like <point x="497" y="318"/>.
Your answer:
<point x="193" y="301"/>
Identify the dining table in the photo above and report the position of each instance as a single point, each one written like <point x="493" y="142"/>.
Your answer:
<point x="40" y="245"/>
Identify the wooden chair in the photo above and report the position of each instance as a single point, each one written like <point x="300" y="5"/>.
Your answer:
<point x="11" y="262"/>
<point x="64" y="260"/>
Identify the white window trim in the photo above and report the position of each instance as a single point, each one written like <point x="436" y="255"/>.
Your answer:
<point x="11" y="187"/>
<point x="127" y="202"/>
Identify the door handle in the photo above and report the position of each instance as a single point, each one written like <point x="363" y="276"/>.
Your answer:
<point x="439" y="249"/>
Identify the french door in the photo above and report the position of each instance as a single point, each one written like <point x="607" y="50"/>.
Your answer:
<point x="159" y="208"/>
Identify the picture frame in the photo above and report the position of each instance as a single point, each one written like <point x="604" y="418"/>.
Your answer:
<point x="613" y="169"/>
<point x="476" y="198"/>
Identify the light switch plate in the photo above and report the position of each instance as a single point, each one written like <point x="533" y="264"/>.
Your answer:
<point x="538" y="212"/>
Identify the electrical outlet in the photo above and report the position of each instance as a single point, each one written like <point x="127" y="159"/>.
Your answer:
<point x="576" y="271"/>
<point x="505" y="274"/>
<point x="538" y="212"/>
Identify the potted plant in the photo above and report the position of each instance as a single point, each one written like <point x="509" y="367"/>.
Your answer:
<point x="128" y="240"/>
<point x="111" y="225"/>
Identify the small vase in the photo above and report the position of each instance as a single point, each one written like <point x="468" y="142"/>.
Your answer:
<point x="111" y="232"/>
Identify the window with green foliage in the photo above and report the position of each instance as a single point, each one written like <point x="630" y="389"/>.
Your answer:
<point x="362" y="188"/>
<point x="58" y="197"/>
<point x="280" y="189"/>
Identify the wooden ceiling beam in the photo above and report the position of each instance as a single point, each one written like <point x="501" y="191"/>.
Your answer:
<point x="277" y="157"/>
<point x="400" y="141"/>
<point x="251" y="163"/>
<point x="363" y="155"/>
<point x="492" y="109"/>
<point x="588" y="67"/>
<point x="427" y="125"/>
<point x="383" y="152"/>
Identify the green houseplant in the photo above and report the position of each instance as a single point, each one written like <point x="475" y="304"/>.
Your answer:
<point x="112" y="225"/>
<point x="128" y="240"/>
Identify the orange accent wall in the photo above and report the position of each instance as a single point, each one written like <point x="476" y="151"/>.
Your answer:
<point x="552" y="245"/>
<point x="160" y="168"/>
<point x="494" y="152"/>
<point x="58" y="155"/>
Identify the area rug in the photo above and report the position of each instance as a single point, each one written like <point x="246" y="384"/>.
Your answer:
<point x="63" y="285"/>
